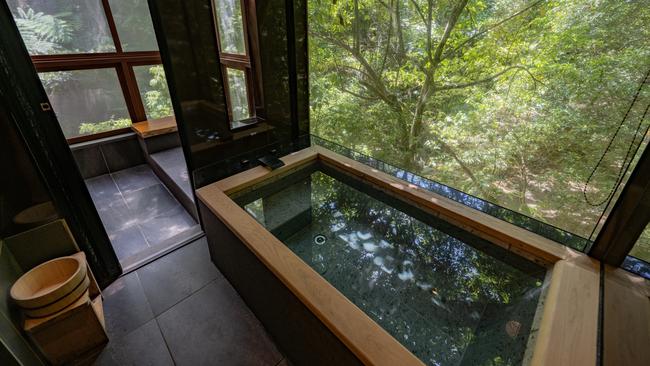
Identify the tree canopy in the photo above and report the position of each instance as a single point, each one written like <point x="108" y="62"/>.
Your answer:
<point x="511" y="100"/>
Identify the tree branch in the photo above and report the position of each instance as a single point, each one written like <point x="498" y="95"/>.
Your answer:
<point x="378" y="86"/>
<point x="490" y="28"/>
<point x="451" y="23"/>
<point x="357" y="95"/>
<point x="427" y="85"/>
<point x="418" y="9"/>
<point x="485" y="80"/>
<point x="450" y="151"/>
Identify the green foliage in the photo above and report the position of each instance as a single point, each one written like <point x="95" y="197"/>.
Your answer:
<point x="43" y="33"/>
<point x="87" y="128"/>
<point x="642" y="248"/>
<point x="510" y="100"/>
<point x="157" y="100"/>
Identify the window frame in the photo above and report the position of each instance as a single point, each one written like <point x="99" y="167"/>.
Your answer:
<point x="246" y="63"/>
<point x="122" y="62"/>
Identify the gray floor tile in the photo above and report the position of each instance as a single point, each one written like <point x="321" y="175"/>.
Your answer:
<point x="170" y="157"/>
<point x="150" y="202"/>
<point x="177" y="275"/>
<point x="214" y="327"/>
<point x="128" y="242"/>
<point x="167" y="225"/>
<point x="133" y="179"/>
<point x="102" y="190"/>
<point x="143" y="346"/>
<point x="172" y="162"/>
<point x="125" y="306"/>
<point x="116" y="215"/>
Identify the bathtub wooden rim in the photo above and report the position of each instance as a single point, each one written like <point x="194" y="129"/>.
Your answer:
<point x="573" y="292"/>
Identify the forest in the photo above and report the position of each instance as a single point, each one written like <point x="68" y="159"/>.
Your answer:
<point x="527" y="104"/>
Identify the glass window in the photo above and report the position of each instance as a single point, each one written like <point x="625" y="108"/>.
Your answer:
<point x="231" y="26"/>
<point x="86" y="101"/>
<point x="516" y="106"/>
<point x="153" y="91"/>
<point x="134" y="26"/>
<point x="238" y="92"/>
<point x="64" y="26"/>
<point x="641" y="249"/>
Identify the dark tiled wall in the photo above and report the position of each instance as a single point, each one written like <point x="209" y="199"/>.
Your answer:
<point x="154" y="144"/>
<point x="108" y="155"/>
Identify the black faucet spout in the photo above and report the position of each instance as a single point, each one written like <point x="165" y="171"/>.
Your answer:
<point x="271" y="162"/>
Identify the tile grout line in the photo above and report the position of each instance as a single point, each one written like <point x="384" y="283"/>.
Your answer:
<point x="169" y="350"/>
<point x="137" y="224"/>
<point x="155" y="318"/>
<point x="178" y="204"/>
<point x="123" y="198"/>
<point x="101" y="151"/>
<point x="188" y="296"/>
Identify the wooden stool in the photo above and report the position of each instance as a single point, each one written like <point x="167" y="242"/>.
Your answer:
<point x="73" y="332"/>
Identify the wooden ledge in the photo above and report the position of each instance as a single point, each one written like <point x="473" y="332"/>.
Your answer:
<point x="155" y="127"/>
<point x="626" y="320"/>
<point x="568" y="332"/>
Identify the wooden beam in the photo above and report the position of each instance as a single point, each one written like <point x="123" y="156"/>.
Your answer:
<point x="258" y="174"/>
<point x="83" y="61"/>
<point x="476" y="222"/>
<point x="626" y="320"/>
<point x="568" y="330"/>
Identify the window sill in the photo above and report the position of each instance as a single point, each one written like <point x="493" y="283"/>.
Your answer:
<point x="155" y="127"/>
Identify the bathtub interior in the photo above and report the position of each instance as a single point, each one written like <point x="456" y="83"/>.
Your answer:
<point x="449" y="297"/>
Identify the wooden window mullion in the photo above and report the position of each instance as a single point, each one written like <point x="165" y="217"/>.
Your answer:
<point x="248" y="74"/>
<point x="135" y="112"/>
<point x="134" y="91"/>
<point x="122" y="62"/>
<point x="254" y="54"/>
<point x="226" y="89"/>
<point x="241" y="62"/>
<point x="111" y="25"/>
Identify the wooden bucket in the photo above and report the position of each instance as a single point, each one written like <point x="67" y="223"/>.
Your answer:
<point x="50" y="286"/>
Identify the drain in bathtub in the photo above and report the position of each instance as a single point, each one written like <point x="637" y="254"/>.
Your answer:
<point x="320" y="239"/>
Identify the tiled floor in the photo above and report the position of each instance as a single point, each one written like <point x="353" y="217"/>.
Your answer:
<point x="180" y="310"/>
<point x="138" y="212"/>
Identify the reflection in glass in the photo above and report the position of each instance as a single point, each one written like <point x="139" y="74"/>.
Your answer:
<point x="449" y="297"/>
<point x="231" y="26"/>
<point x="134" y="26"/>
<point x="238" y="92"/>
<point x="86" y="101"/>
<point x="59" y="27"/>
<point x="153" y="91"/>
<point x="641" y="249"/>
